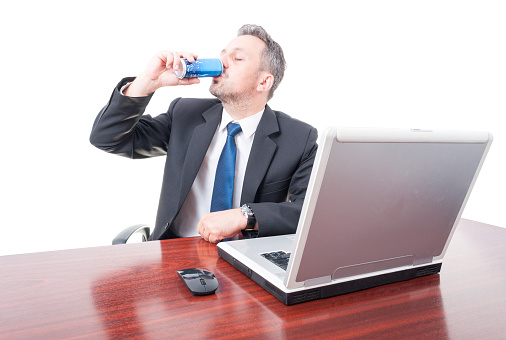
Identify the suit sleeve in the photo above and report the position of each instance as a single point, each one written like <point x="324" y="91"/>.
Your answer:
<point x="121" y="128"/>
<point x="282" y="218"/>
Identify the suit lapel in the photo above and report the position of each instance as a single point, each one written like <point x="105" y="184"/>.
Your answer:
<point x="197" y="149"/>
<point x="261" y="154"/>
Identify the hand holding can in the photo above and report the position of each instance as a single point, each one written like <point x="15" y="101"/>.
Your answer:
<point x="159" y="73"/>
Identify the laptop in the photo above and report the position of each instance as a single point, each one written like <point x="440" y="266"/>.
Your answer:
<point x="381" y="207"/>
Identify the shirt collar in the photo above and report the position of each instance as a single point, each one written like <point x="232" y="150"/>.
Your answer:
<point x="248" y="125"/>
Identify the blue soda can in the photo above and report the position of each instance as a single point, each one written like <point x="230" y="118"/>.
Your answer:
<point x="200" y="68"/>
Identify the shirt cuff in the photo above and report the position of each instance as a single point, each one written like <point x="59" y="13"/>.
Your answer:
<point x="124" y="87"/>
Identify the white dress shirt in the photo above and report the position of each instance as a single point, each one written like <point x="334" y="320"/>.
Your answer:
<point x="198" y="201"/>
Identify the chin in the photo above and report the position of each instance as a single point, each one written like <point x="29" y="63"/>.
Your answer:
<point x="213" y="91"/>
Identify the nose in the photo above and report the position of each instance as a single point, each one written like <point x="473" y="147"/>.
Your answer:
<point x="224" y="60"/>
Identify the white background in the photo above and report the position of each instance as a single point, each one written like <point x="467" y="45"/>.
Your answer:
<point x="425" y="64"/>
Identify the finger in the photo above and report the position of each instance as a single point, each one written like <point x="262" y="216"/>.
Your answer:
<point x="203" y="235"/>
<point x="214" y="239"/>
<point x="209" y="236"/>
<point x="176" y="63"/>
<point x="165" y="57"/>
<point x="200" y="228"/>
<point x="189" y="81"/>
<point x="190" y="56"/>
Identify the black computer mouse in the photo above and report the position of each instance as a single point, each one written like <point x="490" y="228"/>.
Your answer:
<point x="199" y="281"/>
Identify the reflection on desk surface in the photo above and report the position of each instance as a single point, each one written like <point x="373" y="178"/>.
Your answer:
<point x="134" y="290"/>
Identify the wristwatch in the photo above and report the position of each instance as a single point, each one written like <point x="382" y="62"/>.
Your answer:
<point x="248" y="213"/>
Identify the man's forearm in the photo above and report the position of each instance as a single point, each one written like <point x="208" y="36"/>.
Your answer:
<point x="141" y="87"/>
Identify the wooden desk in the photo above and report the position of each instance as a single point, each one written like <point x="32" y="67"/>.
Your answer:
<point x="134" y="290"/>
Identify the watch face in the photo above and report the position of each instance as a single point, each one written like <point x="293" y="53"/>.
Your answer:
<point x="246" y="211"/>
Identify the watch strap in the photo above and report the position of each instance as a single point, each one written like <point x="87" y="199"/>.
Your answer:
<point x="248" y="213"/>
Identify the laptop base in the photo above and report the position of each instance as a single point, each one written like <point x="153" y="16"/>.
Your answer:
<point x="292" y="298"/>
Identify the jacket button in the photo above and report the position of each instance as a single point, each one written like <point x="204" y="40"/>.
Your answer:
<point x="167" y="226"/>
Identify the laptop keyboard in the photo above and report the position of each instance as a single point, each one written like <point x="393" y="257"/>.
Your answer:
<point x="279" y="258"/>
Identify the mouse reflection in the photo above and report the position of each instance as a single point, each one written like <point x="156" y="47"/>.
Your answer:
<point x="146" y="295"/>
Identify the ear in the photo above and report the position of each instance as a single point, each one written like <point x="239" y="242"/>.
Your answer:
<point x="266" y="81"/>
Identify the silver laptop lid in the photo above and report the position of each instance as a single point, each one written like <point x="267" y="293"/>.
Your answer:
<point x="382" y="198"/>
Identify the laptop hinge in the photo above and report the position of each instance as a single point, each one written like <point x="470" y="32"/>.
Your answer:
<point x="318" y="281"/>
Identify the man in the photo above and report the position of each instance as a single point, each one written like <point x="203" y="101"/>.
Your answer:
<point x="274" y="156"/>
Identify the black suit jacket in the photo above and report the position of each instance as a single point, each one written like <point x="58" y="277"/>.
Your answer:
<point x="277" y="173"/>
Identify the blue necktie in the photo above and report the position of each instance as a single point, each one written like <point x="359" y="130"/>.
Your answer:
<point x="223" y="190"/>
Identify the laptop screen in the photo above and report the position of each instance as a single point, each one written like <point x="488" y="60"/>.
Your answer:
<point x="380" y="200"/>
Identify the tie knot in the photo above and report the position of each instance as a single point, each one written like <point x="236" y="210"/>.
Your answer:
<point x="233" y="129"/>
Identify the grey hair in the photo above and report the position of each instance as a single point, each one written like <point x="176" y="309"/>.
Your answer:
<point x="272" y="59"/>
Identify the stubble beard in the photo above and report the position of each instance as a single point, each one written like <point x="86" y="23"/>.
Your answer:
<point x="225" y="92"/>
<point x="221" y="92"/>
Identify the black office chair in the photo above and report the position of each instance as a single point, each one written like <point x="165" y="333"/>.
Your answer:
<point x="126" y="233"/>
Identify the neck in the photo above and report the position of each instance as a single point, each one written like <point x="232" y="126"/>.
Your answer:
<point x="244" y="109"/>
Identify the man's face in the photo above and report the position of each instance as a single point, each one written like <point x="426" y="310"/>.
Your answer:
<point x="240" y="77"/>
